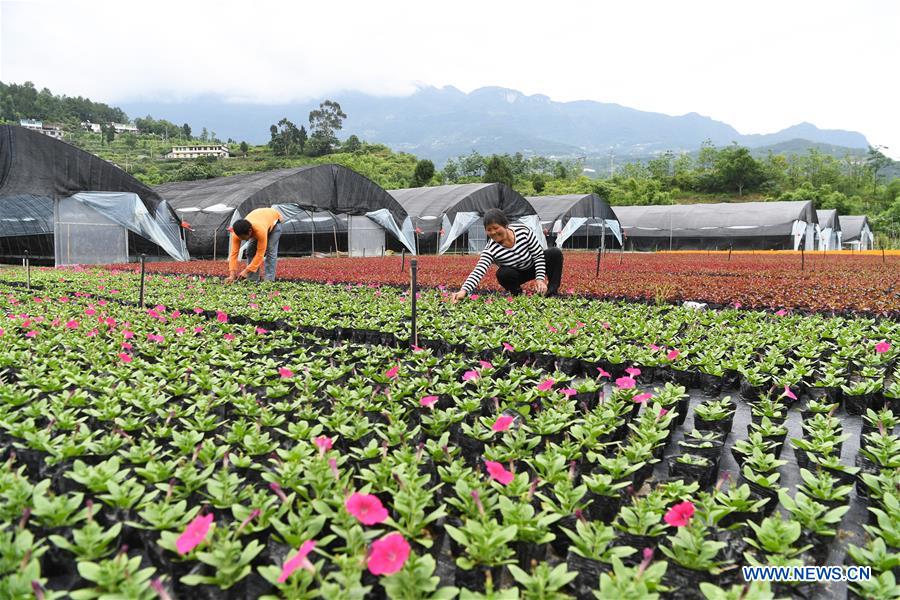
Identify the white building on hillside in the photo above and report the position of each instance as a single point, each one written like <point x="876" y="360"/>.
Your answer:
<point x="124" y="128"/>
<point x="216" y="150"/>
<point x="54" y="131"/>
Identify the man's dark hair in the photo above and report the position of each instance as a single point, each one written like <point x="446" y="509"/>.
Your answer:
<point x="495" y="216"/>
<point x="241" y="227"/>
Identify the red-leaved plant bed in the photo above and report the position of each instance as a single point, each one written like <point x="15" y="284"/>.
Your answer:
<point x="865" y="284"/>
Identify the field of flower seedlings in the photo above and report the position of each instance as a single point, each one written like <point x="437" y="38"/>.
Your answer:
<point x="287" y="441"/>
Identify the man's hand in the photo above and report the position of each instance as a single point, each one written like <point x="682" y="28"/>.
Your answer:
<point x="230" y="279"/>
<point x="243" y="274"/>
<point x="541" y="286"/>
<point x="457" y="296"/>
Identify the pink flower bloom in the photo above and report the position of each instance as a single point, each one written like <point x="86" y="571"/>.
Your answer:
<point x="285" y="373"/>
<point x="508" y="347"/>
<point x="573" y="331"/>
<point x="176" y="314"/>
<point x="92" y="333"/>
<point x="625" y="383"/>
<point x="654" y="347"/>
<point x="155" y="337"/>
<point x="680" y="514"/>
<point x="180" y="330"/>
<point x="605" y="325"/>
<point x="1" y="332"/>
<point x="198" y="310"/>
<point x="127" y="334"/>
<point x="428" y="401"/>
<point x="72" y="324"/>
<point x="882" y="347"/>
<point x="502" y="423"/>
<point x="228" y="336"/>
<point x="194" y="534"/>
<point x="474" y="296"/>
<point x="633" y="371"/>
<point x="221" y="317"/>
<point x="485" y="364"/>
<point x="198" y="329"/>
<point x="568" y="392"/>
<point x="509" y="311"/>
<point x="673" y="354"/>
<point x="663" y="412"/>
<point x="789" y="393"/>
<point x="498" y="473"/>
<point x="388" y="555"/>
<point x="90" y="311"/>
<point x="552" y="328"/>
<point x="392" y="372"/>
<point x="781" y="313"/>
<point x="125" y="358"/>
<point x="323" y="443"/>
<point x="417" y="348"/>
<point x="470" y="375"/>
<point x="604" y="373"/>
<point x="738" y="305"/>
<point x="298" y="561"/>
<point x="545" y="385"/>
<point x="261" y="331"/>
<point x="367" y="508"/>
<point x="126" y="345"/>
<point x="286" y="308"/>
<point x="641" y="398"/>
<point x="253" y="305"/>
<point x="31" y="334"/>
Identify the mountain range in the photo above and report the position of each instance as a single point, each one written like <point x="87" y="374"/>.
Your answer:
<point x="440" y="123"/>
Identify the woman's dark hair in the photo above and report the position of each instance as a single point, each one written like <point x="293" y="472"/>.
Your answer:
<point x="495" y="216"/>
<point x="241" y="227"/>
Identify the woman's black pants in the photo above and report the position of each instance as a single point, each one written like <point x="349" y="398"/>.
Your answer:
<point x="512" y="279"/>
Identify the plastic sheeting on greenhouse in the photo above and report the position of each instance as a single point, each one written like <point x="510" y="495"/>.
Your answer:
<point x="211" y="205"/>
<point x="748" y="225"/>
<point x="828" y="230"/>
<point x="856" y="233"/>
<point x="48" y="186"/>
<point x="577" y="216"/>
<point x="449" y="211"/>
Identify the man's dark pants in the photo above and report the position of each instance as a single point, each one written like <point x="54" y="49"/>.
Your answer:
<point x="512" y="279"/>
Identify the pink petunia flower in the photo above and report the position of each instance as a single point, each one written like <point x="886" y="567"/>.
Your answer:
<point x="781" y="313"/>
<point x="194" y="534"/>
<point x="654" y="347"/>
<point x="502" y="423"/>
<point x="625" y="383"/>
<point x="545" y="385"/>
<point x="568" y="392"/>
<point x="126" y="346"/>
<point x="323" y="443"/>
<point x="392" y="372"/>
<point x="737" y="305"/>
<point x="428" y="401"/>
<point x="285" y="373"/>
<point x="641" y="398"/>
<point x="127" y="334"/>
<point x="509" y="311"/>
<point x="789" y="393"/>
<point x="470" y="375"/>
<point x="604" y="373"/>
<point x="124" y="357"/>
<point x="552" y="328"/>
<point x="882" y="347"/>
<point x="508" y="347"/>
<point x="367" y="508"/>
<point x="633" y="371"/>
<point x="485" y="364"/>
<point x="229" y="336"/>
<point x="498" y="473"/>
<point x="680" y="514"/>
<point x="388" y="554"/>
<point x="221" y="317"/>
<point x="605" y="325"/>
<point x="298" y="561"/>
<point x="673" y="354"/>
<point x="72" y="324"/>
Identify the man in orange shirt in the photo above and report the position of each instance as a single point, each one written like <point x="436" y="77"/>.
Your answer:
<point x="263" y="227"/>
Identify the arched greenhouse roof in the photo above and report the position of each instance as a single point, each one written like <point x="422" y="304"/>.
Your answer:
<point x="553" y="208"/>
<point x="852" y="227"/>
<point x="720" y="220"/>
<point x="208" y="204"/>
<point x="427" y="206"/>
<point x="828" y="219"/>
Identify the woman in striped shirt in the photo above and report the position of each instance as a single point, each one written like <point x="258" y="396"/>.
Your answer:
<point x="519" y="256"/>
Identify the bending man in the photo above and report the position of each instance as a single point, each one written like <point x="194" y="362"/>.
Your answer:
<point x="263" y="227"/>
<point x="519" y="256"/>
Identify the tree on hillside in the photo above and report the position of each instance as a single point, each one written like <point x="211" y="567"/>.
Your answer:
<point x="204" y="135"/>
<point x="737" y="170"/>
<point x="285" y="138"/>
<point x="323" y="125"/>
<point x="244" y="148"/>
<point x="302" y="138"/>
<point x="538" y="183"/>
<point x="498" y="170"/>
<point x="186" y="130"/>
<point x="423" y="173"/>
<point x="875" y="161"/>
<point x="352" y="144"/>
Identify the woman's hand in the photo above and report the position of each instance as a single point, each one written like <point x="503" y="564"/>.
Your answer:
<point x="541" y="286"/>
<point x="457" y="296"/>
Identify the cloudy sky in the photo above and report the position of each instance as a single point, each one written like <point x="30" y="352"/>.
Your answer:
<point x="758" y="66"/>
